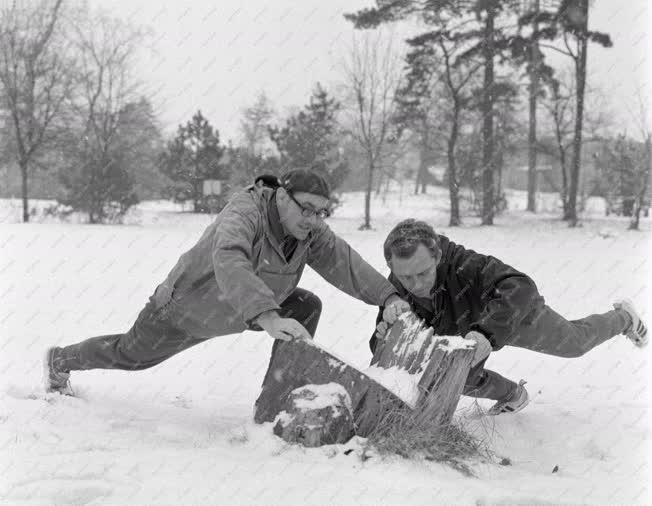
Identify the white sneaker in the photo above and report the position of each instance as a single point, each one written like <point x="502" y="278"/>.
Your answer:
<point x="514" y="403"/>
<point x="54" y="380"/>
<point x="637" y="331"/>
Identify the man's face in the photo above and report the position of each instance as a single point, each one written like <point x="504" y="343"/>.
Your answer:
<point x="291" y="211"/>
<point x="417" y="273"/>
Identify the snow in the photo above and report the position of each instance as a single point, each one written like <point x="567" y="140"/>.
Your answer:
<point x="182" y="432"/>
<point x="314" y="397"/>
<point x="398" y="381"/>
<point x="452" y="343"/>
<point x="412" y="326"/>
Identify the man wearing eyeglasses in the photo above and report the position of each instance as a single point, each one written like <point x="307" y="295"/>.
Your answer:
<point x="242" y="274"/>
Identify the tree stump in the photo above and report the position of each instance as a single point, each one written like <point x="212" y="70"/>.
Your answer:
<point x="295" y="364"/>
<point x="438" y="365"/>
<point x="412" y="371"/>
<point x="315" y="415"/>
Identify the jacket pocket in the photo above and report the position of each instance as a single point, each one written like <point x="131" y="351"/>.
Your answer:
<point x="281" y="283"/>
<point x="163" y="301"/>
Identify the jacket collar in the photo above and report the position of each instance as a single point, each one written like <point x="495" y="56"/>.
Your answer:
<point x="274" y="220"/>
<point x="266" y="201"/>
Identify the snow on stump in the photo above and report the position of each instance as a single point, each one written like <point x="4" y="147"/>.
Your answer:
<point x="436" y="367"/>
<point x="295" y="364"/>
<point x="316" y="415"/>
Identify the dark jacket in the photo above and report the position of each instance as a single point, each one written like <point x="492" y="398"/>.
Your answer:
<point x="475" y="292"/>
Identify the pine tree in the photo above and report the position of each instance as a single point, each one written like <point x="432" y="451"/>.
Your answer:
<point x="192" y="157"/>
<point x="308" y="139"/>
<point x="570" y="23"/>
<point x="488" y="36"/>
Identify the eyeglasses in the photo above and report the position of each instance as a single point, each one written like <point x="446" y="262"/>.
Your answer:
<point x="309" y="212"/>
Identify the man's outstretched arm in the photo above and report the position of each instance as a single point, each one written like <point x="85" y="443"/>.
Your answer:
<point x="339" y="264"/>
<point x="508" y="295"/>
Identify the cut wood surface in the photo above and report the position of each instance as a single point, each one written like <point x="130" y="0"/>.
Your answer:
<point x="315" y="415"/>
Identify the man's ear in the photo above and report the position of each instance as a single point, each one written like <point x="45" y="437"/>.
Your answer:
<point x="281" y="198"/>
<point x="438" y="256"/>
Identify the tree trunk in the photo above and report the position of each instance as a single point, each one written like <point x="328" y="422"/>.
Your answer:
<point x="499" y="186"/>
<point x="488" y="124"/>
<point x="640" y="198"/>
<point x="532" y="133"/>
<point x="379" y="183"/>
<point x="453" y="188"/>
<point x="580" y="71"/>
<point x="423" y="161"/>
<point x="23" y="173"/>
<point x="564" y="174"/>
<point x="196" y="198"/>
<point x="367" y="198"/>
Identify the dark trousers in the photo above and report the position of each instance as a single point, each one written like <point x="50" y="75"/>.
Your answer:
<point x="153" y="338"/>
<point x="552" y="334"/>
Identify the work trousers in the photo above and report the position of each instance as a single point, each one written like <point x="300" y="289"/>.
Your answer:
<point x="552" y="334"/>
<point x="153" y="338"/>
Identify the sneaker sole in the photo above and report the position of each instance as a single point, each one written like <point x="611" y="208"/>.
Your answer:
<point x="637" y="336"/>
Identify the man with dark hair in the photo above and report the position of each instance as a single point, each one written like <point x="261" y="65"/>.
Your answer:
<point x="461" y="292"/>
<point x="242" y="274"/>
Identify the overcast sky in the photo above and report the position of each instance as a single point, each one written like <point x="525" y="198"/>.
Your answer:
<point x="217" y="56"/>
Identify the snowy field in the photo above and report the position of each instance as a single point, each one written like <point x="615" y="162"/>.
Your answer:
<point x="181" y="432"/>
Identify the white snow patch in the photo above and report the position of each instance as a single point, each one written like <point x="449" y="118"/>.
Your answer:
<point x="325" y="395"/>
<point x="334" y="364"/>
<point x="398" y="381"/>
<point x="413" y="326"/>
<point x="452" y="343"/>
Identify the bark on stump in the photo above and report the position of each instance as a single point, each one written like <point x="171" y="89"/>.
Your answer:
<point x="315" y="415"/>
<point x="295" y="364"/>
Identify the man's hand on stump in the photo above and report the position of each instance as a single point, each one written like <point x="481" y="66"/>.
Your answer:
<point x="285" y="329"/>
<point x="482" y="346"/>
<point x="394" y="307"/>
<point x="381" y="330"/>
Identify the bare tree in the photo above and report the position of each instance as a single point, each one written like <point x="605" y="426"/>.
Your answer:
<point x="559" y="106"/>
<point x="643" y="159"/>
<point x="372" y="76"/>
<point x="255" y="123"/>
<point x="36" y="79"/>
<point x="102" y="108"/>
<point x="571" y="22"/>
<point x="456" y="78"/>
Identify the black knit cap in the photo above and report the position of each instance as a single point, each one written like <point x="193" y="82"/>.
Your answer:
<point x="307" y="181"/>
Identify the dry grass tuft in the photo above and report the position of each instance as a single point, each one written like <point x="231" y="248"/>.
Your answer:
<point x="454" y="444"/>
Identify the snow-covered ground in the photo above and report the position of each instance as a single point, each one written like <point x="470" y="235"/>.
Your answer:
<point x="181" y="432"/>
